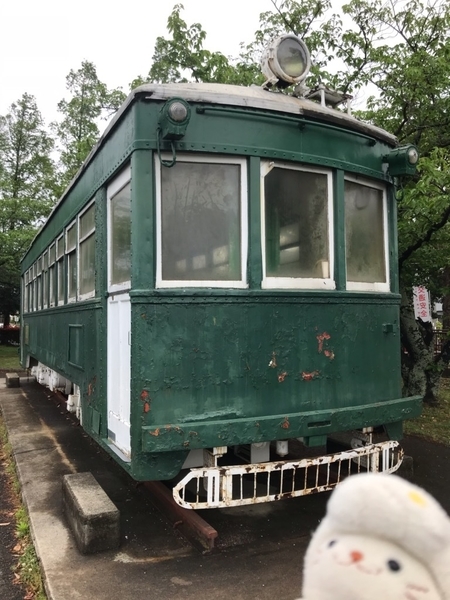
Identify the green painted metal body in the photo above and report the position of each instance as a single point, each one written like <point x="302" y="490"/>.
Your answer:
<point x="226" y="367"/>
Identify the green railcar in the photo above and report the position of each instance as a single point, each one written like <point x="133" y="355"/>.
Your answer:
<point x="218" y="287"/>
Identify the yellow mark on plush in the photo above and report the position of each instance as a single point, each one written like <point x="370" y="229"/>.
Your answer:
<point x="417" y="498"/>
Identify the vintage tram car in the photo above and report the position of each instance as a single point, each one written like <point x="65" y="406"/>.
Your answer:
<point x="219" y="283"/>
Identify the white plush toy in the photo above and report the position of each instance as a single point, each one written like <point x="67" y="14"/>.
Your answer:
<point x="382" y="538"/>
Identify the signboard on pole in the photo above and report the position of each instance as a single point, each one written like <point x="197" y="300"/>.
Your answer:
<point x="422" y="305"/>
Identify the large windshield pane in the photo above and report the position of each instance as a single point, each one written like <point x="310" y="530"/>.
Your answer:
<point x="201" y="222"/>
<point x="296" y="216"/>
<point x="364" y="233"/>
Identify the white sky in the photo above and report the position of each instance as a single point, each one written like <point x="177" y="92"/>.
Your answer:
<point x="42" y="40"/>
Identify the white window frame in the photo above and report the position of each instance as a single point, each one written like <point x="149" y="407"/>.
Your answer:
<point x="52" y="275"/>
<point x="80" y="240"/>
<point x="377" y="286"/>
<point x="60" y="260"/>
<point x="297" y="283"/>
<point x="115" y="186"/>
<point x="45" y="279"/>
<point x="216" y="283"/>
<point x="67" y="252"/>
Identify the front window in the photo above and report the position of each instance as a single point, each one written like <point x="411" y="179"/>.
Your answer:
<point x="297" y="235"/>
<point x="202" y="241"/>
<point x="365" y="237"/>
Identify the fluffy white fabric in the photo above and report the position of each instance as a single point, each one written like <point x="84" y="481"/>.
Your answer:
<point x="382" y="538"/>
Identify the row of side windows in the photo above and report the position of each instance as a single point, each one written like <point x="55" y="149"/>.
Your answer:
<point x="65" y="272"/>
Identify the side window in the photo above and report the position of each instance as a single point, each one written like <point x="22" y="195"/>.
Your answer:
<point x="71" y="253"/>
<point x="45" y="279"/>
<point x="60" y="269"/>
<point x="119" y="210"/>
<point x="202" y="223"/>
<point x="52" y="275"/>
<point x="297" y="228"/>
<point x="39" y="284"/>
<point x="366" y="237"/>
<point x="26" y="291"/>
<point x="86" y="232"/>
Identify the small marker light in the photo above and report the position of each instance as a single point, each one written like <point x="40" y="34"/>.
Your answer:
<point x="402" y="160"/>
<point x="174" y="119"/>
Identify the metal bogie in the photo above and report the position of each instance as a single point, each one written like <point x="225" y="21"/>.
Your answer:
<point x="222" y="274"/>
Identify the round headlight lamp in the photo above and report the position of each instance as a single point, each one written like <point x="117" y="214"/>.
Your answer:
<point x="286" y="61"/>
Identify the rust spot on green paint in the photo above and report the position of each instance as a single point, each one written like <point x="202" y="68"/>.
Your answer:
<point x="285" y="424"/>
<point x="320" y="338"/>
<point x="282" y="376"/>
<point x="329" y="354"/>
<point x="154" y="433"/>
<point x="192" y="433"/>
<point x="308" y="376"/>
<point x="146" y="407"/>
<point x="143" y="316"/>
<point x="144" y="395"/>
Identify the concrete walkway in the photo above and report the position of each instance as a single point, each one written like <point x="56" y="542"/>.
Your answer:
<point x="259" y="552"/>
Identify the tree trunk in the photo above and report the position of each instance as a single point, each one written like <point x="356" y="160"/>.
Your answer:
<point x="421" y="368"/>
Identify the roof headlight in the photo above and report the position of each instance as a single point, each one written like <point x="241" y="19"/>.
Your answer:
<point x="286" y="61"/>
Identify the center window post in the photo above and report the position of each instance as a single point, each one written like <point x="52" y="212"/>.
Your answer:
<point x="202" y="222"/>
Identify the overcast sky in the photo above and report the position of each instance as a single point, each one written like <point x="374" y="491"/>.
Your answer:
<point x="42" y="40"/>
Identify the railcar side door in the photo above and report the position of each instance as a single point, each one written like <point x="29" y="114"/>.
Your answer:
<point x="119" y="313"/>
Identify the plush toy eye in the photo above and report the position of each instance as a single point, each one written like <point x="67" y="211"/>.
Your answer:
<point x="331" y="543"/>
<point x="394" y="565"/>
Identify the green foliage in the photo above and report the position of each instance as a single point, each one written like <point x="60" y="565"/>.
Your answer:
<point x="27" y="190"/>
<point x="77" y="133"/>
<point x="183" y="58"/>
<point x="9" y="358"/>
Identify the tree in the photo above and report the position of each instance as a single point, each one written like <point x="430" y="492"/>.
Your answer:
<point x="27" y="191"/>
<point x="90" y="102"/>
<point x="183" y="58"/>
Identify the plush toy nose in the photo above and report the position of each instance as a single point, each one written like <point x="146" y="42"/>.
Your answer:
<point x="356" y="556"/>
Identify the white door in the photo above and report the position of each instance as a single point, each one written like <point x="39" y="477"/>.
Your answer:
<point x="119" y="313"/>
<point x="119" y="355"/>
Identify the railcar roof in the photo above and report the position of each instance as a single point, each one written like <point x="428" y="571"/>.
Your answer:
<point x="256" y="97"/>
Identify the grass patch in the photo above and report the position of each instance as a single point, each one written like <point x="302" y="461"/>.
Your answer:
<point x="27" y="570"/>
<point x="434" y="422"/>
<point x="9" y="357"/>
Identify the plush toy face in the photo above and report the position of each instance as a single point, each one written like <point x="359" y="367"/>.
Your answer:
<point x="357" y="567"/>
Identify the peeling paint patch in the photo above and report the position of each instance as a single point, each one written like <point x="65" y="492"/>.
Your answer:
<point x="154" y="433"/>
<point x="146" y="407"/>
<point x="308" y="376"/>
<point x="273" y="361"/>
<point x="285" y="424"/>
<point x="329" y="354"/>
<point x="282" y="376"/>
<point x="144" y="395"/>
<point x="320" y="338"/>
